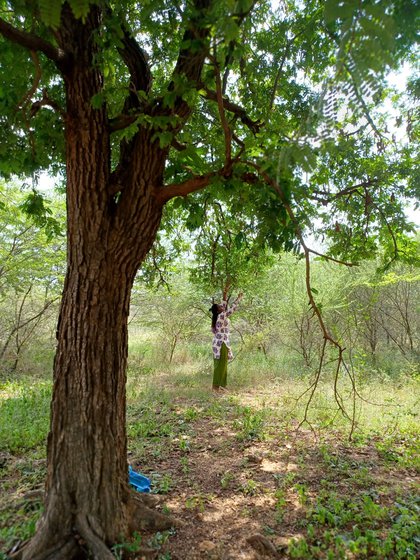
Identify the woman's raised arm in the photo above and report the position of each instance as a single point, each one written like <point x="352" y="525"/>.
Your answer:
<point x="234" y="305"/>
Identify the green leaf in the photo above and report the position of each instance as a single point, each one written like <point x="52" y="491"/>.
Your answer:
<point x="98" y="100"/>
<point x="230" y="29"/>
<point x="50" y="11"/>
<point x="178" y="202"/>
<point x="239" y="239"/>
<point x="338" y="9"/>
<point x="165" y="138"/>
<point x="80" y="8"/>
<point x="169" y="98"/>
<point x="34" y="206"/>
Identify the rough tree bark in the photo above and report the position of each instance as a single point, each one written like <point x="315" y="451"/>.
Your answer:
<point x="87" y="494"/>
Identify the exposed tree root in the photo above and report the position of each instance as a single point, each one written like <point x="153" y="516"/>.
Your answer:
<point x="63" y="550"/>
<point x="142" y="516"/>
<point x="263" y="545"/>
<point x="88" y="540"/>
<point x="92" y="542"/>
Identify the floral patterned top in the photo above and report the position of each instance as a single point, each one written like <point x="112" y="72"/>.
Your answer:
<point x="221" y="331"/>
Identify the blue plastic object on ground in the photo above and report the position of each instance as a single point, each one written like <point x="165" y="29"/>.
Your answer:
<point x="140" y="482"/>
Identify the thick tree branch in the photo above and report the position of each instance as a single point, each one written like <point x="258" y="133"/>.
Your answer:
<point x="137" y="63"/>
<point x="194" y="49"/>
<point x="237" y="110"/>
<point x="196" y="183"/>
<point x="32" y="42"/>
<point x="178" y="146"/>
<point x="224" y="122"/>
<point x="135" y="58"/>
<point x="121" y="121"/>
<point x="187" y="187"/>
<point x="46" y="101"/>
<point x="188" y="69"/>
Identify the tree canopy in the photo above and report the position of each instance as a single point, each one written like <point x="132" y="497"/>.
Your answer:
<point x="292" y="90"/>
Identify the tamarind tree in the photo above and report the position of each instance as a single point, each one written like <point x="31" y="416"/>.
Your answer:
<point x="269" y="108"/>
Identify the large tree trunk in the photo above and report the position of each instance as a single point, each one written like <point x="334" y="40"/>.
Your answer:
<point x="88" y="505"/>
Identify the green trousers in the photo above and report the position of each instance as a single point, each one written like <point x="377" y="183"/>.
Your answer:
<point x="220" y="368"/>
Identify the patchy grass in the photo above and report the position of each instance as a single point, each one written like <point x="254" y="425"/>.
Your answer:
<point x="235" y="470"/>
<point x="240" y="473"/>
<point x="24" y="415"/>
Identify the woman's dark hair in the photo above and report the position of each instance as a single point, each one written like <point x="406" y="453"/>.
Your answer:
<point x="215" y="312"/>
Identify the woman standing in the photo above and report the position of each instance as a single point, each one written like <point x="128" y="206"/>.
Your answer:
<point x="222" y="351"/>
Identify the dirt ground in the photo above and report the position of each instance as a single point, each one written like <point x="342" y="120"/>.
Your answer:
<point x="242" y="483"/>
<point x="246" y="498"/>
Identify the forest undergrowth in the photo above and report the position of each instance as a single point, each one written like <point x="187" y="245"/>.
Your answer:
<point x="232" y="466"/>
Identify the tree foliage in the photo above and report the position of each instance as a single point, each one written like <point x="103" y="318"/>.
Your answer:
<point x="292" y="91"/>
